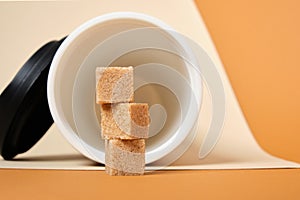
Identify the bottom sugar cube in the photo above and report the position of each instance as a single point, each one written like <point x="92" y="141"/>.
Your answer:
<point x="125" y="157"/>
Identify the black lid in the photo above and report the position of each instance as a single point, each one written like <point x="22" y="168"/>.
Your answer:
<point x="24" y="111"/>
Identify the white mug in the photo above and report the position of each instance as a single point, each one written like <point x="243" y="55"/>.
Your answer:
<point x="125" y="39"/>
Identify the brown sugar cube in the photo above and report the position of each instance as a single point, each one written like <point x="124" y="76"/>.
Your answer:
<point x="114" y="172"/>
<point x="114" y="84"/>
<point x="125" y="157"/>
<point x="124" y="121"/>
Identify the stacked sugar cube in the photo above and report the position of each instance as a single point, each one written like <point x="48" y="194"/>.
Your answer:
<point x="124" y="124"/>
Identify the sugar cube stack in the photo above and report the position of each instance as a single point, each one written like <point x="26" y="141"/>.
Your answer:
<point x="124" y="124"/>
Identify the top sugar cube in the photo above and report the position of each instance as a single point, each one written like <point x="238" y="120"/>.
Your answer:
<point x="114" y="85"/>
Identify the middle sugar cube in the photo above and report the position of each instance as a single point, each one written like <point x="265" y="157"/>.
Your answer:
<point x="124" y="121"/>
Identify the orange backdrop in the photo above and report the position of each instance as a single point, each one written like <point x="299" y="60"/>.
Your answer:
<point x="259" y="44"/>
